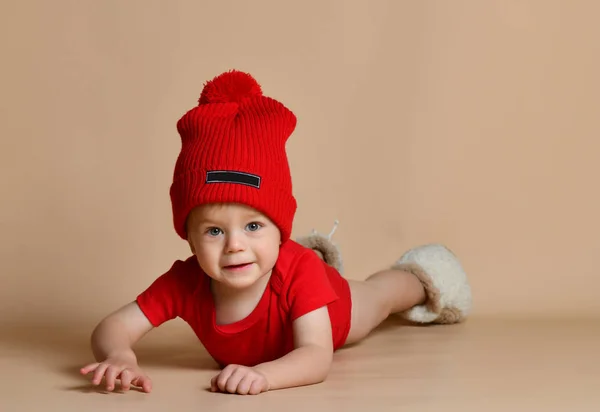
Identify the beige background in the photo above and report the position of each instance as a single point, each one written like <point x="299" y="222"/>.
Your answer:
<point x="470" y="123"/>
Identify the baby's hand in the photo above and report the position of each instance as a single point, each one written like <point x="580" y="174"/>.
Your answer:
<point x="123" y="369"/>
<point x="239" y="379"/>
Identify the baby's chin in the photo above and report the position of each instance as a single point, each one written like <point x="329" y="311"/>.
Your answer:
<point x="241" y="278"/>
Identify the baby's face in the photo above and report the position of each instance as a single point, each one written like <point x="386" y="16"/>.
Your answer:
<point x="234" y="244"/>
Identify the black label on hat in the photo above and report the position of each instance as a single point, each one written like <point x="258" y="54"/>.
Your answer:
<point x="229" y="176"/>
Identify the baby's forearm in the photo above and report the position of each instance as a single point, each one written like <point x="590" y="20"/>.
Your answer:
<point x="111" y="339"/>
<point x="303" y="366"/>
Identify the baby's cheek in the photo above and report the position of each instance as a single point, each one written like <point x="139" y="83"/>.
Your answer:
<point x="207" y="262"/>
<point x="268" y="258"/>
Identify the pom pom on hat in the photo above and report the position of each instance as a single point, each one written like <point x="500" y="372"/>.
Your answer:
<point x="230" y="87"/>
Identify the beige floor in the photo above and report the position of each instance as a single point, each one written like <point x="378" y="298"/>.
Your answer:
<point x="482" y="365"/>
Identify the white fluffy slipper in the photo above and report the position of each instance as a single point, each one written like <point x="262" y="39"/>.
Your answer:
<point x="448" y="291"/>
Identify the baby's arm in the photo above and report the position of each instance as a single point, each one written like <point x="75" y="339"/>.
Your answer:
<point x="307" y="364"/>
<point x="112" y="343"/>
<point x="310" y="361"/>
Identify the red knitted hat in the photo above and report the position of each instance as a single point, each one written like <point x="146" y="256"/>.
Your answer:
<point x="233" y="150"/>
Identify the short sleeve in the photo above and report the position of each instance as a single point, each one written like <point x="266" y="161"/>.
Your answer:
<point x="166" y="297"/>
<point x="309" y="287"/>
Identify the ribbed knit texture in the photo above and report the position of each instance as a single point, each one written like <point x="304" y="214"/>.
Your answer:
<point x="235" y="128"/>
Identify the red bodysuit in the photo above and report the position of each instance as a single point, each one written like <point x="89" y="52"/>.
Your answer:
<point x="300" y="283"/>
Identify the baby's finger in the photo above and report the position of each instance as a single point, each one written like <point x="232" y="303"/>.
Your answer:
<point x="143" y="382"/>
<point x="126" y="378"/>
<point x="146" y="384"/>
<point x="234" y="380"/>
<point x="213" y="384"/>
<point x="88" y="368"/>
<point x="223" y="377"/>
<point x="256" y="387"/>
<point x="99" y="373"/>
<point x="244" y="386"/>
<point x="111" y="376"/>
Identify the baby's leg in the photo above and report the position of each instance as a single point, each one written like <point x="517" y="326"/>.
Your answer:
<point x="426" y="285"/>
<point x="381" y="294"/>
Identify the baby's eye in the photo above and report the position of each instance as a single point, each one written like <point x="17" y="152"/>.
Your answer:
<point x="214" y="231"/>
<point x="253" y="227"/>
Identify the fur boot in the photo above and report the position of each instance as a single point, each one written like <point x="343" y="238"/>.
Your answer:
<point x="448" y="291"/>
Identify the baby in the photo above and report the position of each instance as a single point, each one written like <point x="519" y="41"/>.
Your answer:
<point x="271" y="311"/>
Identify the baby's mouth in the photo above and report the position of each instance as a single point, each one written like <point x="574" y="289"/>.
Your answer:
<point x="240" y="266"/>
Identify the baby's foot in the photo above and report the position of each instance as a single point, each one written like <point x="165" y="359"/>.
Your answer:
<point x="324" y="247"/>
<point x="448" y="291"/>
